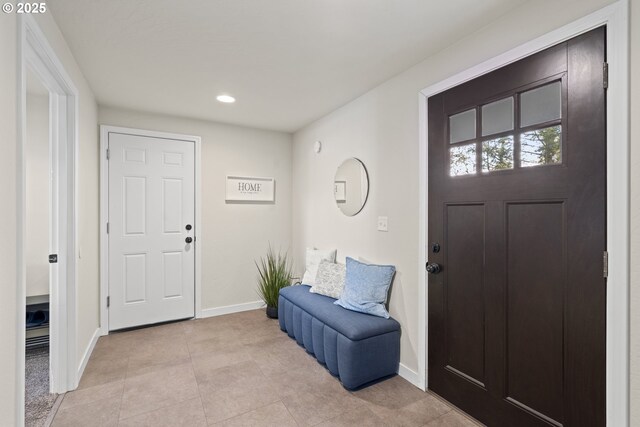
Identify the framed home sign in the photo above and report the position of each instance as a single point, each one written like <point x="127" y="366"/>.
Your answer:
<point x="250" y="189"/>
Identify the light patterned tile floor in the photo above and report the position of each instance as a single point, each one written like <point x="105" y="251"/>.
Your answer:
<point x="234" y="370"/>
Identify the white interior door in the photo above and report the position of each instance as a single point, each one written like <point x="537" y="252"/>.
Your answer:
<point x="151" y="220"/>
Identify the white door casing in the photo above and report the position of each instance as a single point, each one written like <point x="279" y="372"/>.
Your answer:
<point x="151" y="267"/>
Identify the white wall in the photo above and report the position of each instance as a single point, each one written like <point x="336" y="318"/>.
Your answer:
<point x="10" y="377"/>
<point x="381" y="129"/>
<point x="232" y="235"/>
<point x="635" y="212"/>
<point x="37" y="181"/>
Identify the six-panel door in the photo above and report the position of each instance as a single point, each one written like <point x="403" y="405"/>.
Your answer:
<point x="151" y="202"/>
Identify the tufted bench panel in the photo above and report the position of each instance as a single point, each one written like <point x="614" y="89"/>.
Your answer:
<point x="356" y="347"/>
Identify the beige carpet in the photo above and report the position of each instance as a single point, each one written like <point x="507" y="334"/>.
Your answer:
<point x="38" y="400"/>
<point x="234" y="370"/>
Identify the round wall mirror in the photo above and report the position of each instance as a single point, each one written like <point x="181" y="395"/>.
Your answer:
<point x="351" y="186"/>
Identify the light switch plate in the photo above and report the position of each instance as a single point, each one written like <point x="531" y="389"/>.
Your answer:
<point x="383" y="223"/>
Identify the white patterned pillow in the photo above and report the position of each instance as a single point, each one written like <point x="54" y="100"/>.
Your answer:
<point x="330" y="279"/>
<point x="313" y="259"/>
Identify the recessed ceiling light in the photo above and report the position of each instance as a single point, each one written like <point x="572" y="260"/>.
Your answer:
<point x="227" y="99"/>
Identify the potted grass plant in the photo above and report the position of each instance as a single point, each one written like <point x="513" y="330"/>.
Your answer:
<point x="274" y="273"/>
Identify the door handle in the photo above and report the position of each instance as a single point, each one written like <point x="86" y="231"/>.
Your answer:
<point x="188" y="239"/>
<point x="433" y="268"/>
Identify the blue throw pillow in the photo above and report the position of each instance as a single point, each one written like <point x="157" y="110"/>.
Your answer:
<point x="366" y="287"/>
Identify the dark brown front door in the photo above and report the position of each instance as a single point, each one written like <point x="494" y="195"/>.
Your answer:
<point x="517" y="210"/>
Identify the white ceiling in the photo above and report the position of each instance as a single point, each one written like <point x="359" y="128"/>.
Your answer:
<point x="288" y="62"/>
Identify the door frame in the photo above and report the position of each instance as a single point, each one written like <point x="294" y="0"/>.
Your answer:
<point x="616" y="19"/>
<point x="35" y="53"/>
<point x="104" y="214"/>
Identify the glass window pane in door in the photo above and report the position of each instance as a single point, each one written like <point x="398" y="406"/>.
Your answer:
<point x="497" y="117"/>
<point x="541" y="147"/>
<point x="462" y="126"/>
<point x="462" y="160"/>
<point x="497" y="154"/>
<point x="541" y="104"/>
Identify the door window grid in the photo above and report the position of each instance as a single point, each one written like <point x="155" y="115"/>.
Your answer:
<point x="537" y="144"/>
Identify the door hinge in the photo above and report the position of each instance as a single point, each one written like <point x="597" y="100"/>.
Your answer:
<point x="108" y="154"/>
<point x="605" y="264"/>
<point x="108" y="301"/>
<point x="107" y="228"/>
<point x="605" y="75"/>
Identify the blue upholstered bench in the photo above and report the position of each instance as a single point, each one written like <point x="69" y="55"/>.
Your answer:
<point x="356" y="347"/>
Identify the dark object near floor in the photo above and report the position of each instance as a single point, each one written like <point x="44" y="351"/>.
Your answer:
<point x="272" y="312"/>
<point x="38" y="400"/>
<point x="37" y="319"/>
<point x="37" y="315"/>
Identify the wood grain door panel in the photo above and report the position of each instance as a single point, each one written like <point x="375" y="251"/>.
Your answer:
<point x="535" y="283"/>
<point x="464" y="225"/>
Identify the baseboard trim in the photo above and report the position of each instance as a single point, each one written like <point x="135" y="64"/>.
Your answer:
<point x="411" y="376"/>
<point x="229" y="309"/>
<point x="87" y="354"/>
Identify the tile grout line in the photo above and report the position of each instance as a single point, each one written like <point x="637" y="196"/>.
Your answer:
<point x="204" y="412"/>
<point x="255" y="409"/>
<point x="124" y="386"/>
<point x="162" y="407"/>
<point x="64" y="395"/>
<point x="251" y="410"/>
<point x="289" y="412"/>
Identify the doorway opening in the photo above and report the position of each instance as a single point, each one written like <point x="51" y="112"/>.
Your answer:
<point x="46" y="250"/>
<point x="39" y="400"/>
